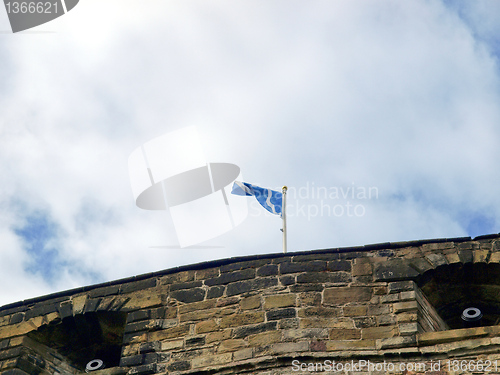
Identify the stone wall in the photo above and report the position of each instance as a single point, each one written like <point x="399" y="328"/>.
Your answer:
<point x="378" y="305"/>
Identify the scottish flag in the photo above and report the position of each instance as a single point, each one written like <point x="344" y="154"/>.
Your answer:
<point x="271" y="200"/>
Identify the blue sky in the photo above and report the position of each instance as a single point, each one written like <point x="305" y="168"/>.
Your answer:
<point x="399" y="96"/>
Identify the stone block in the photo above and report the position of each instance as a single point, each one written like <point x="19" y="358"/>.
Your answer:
<point x="231" y="345"/>
<point x="480" y="256"/>
<point x="287" y="280"/>
<point x="310" y="299"/>
<point x="361" y="269"/>
<point x="197" y="306"/>
<point x="289" y="312"/>
<point x="241" y="332"/>
<point x="206" y="326"/>
<point x="218" y="336"/>
<point x="209" y="273"/>
<point x="264" y="338"/>
<point x="215" y="291"/>
<point x="231" y="277"/>
<point x="309" y="333"/>
<point x="135" y="286"/>
<point x="407" y="296"/>
<point x="389" y="298"/>
<point x="289" y="323"/>
<point x="142" y="300"/>
<point x="407" y="317"/>
<point x="345" y="334"/>
<point x="133" y="360"/>
<point x="400" y="307"/>
<point x="436" y="259"/>
<point x="320" y="312"/>
<point x="243" y="354"/>
<point x="350" y="345"/>
<point x="227" y="301"/>
<point x="360" y="310"/>
<point x="135" y="316"/>
<point x="290" y="347"/>
<point x="16" y="318"/>
<point x="452" y="258"/>
<point x="324" y="277"/>
<point x="179" y="366"/>
<point x="195" y="341"/>
<point x="186" y="285"/>
<point x="237" y="266"/>
<point x="397" y="342"/>
<point x="148" y="347"/>
<point x="465" y="256"/>
<point x="178" y="277"/>
<point x="394" y="269"/>
<point x="66" y="309"/>
<point x="378" y="332"/>
<point x="339" y="265"/>
<point x="242" y="319"/>
<point x="250" y="285"/>
<point x="169" y="333"/>
<point x="326" y="323"/>
<point x="406" y="329"/>
<point x="379" y="309"/>
<point x="495" y="257"/>
<point x="250" y="303"/>
<point x="431" y="338"/>
<point x="343" y="295"/>
<point x="197" y="316"/>
<point x="211" y="360"/>
<point x="78" y="304"/>
<point x="295" y="267"/>
<point x="171" y="345"/>
<point x="280" y="300"/>
<point x="299" y="288"/>
<point x="189" y="295"/>
<point x="268" y="270"/>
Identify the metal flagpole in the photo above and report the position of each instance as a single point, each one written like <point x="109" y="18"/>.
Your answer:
<point x="283" y="214"/>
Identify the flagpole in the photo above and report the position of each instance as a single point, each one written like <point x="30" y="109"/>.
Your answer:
<point x="283" y="214"/>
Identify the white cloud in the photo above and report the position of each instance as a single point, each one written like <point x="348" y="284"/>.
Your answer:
<point x="401" y="96"/>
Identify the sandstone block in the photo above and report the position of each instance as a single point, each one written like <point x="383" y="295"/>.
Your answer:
<point x="206" y="326"/>
<point x="345" y="334"/>
<point x="243" y="354"/>
<point x="350" y="345"/>
<point x="211" y="360"/>
<point x="250" y="303"/>
<point x="404" y="306"/>
<point x="170" y="345"/>
<point x="279" y="300"/>
<point x="218" y="336"/>
<point x="242" y="319"/>
<point x="231" y="345"/>
<point x="343" y="295"/>
<point x="378" y="332"/>
<point x="290" y="347"/>
<point x="197" y="306"/>
<point x="264" y="338"/>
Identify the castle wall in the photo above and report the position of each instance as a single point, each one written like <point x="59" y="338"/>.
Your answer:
<point x="269" y="314"/>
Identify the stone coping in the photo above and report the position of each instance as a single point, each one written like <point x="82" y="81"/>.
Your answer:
<point x="221" y="262"/>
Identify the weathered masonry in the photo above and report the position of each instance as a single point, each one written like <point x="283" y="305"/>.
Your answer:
<point x="410" y="307"/>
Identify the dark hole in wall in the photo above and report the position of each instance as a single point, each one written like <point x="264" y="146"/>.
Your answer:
<point x="82" y="338"/>
<point x="453" y="288"/>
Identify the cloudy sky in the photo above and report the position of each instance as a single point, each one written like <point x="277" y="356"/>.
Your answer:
<point x="382" y="118"/>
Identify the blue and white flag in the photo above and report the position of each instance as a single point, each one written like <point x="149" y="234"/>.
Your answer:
<point x="271" y="200"/>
